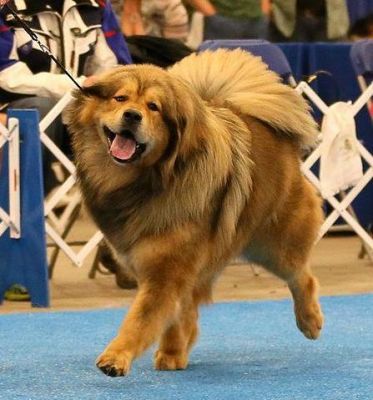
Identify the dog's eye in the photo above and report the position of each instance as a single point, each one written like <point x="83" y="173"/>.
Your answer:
<point x="120" y="99"/>
<point x="152" y="106"/>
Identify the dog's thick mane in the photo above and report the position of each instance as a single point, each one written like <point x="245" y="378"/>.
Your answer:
<point x="245" y="83"/>
<point x="220" y="167"/>
<point x="213" y="163"/>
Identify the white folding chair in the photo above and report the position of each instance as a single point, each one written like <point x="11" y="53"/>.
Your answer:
<point x="361" y="55"/>
<point x="57" y="227"/>
<point x="340" y="207"/>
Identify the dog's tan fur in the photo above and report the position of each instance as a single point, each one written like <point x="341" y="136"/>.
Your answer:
<point x="222" y="177"/>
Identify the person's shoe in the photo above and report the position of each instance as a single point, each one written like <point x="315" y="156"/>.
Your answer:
<point x="17" y="293"/>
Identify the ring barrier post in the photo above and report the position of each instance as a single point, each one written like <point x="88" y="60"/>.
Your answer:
<point x="23" y="258"/>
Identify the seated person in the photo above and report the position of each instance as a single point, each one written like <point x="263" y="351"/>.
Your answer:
<point x="85" y="37"/>
<point x="160" y="18"/>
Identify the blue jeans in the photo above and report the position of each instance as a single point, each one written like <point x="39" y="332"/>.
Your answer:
<point x="56" y="131"/>
<point x="221" y="27"/>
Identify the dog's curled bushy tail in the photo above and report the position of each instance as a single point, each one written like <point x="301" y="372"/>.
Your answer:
<point x="245" y="82"/>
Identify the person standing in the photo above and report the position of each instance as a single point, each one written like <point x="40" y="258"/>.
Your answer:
<point x="226" y="19"/>
<point x="308" y="20"/>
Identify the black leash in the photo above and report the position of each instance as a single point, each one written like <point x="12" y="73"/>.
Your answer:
<point x="43" y="48"/>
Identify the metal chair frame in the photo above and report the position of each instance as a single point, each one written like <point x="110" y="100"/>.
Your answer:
<point x="12" y="219"/>
<point x="58" y="227"/>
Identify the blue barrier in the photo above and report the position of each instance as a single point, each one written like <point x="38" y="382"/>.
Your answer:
<point x="24" y="260"/>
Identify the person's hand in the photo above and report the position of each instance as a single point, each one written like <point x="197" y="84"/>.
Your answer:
<point x="3" y="118"/>
<point x="91" y="80"/>
<point x="203" y="6"/>
<point x="3" y="2"/>
<point x="131" y="19"/>
<point x="132" y="24"/>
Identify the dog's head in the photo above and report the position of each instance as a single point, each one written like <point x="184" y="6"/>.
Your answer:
<point x="136" y="116"/>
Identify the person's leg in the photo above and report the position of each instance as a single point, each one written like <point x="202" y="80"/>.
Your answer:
<point x="274" y="34"/>
<point x="55" y="131"/>
<point x="255" y="28"/>
<point x="310" y="29"/>
<point x="221" y="27"/>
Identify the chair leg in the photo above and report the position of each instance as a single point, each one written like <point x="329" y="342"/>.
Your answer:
<point x="95" y="264"/>
<point x="99" y="264"/>
<point x="364" y="249"/>
<point x="240" y="261"/>
<point x="72" y="220"/>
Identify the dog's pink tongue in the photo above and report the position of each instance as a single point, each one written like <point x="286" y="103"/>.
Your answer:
<point x="123" y="148"/>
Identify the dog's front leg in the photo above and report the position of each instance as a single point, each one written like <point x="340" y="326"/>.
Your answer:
<point x="154" y="307"/>
<point x="166" y="268"/>
<point x="178" y="339"/>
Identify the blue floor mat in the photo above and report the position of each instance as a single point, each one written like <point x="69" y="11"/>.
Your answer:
<point x="249" y="350"/>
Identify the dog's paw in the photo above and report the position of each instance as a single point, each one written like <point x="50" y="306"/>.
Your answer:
<point x="114" y="363"/>
<point x="310" y="320"/>
<point x="170" y="362"/>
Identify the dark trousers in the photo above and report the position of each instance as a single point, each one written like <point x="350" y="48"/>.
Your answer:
<point x="307" y="29"/>
<point x="221" y="27"/>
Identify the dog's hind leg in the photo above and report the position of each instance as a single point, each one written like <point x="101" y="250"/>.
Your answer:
<point x="287" y="245"/>
<point x="304" y="287"/>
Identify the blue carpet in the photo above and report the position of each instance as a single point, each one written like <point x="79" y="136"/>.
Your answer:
<point x="248" y="350"/>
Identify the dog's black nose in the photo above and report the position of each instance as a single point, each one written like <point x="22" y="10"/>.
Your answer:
<point x="132" y="116"/>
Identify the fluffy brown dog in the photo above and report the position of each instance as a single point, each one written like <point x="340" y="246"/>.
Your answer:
<point x="183" y="170"/>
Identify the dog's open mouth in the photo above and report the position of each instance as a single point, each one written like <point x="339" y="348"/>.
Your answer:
<point x="123" y="146"/>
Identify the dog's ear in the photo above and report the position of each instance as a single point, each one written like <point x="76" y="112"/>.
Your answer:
<point x="176" y="127"/>
<point x="99" y="90"/>
<point x="74" y="113"/>
<point x="69" y="113"/>
<point x="81" y="107"/>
